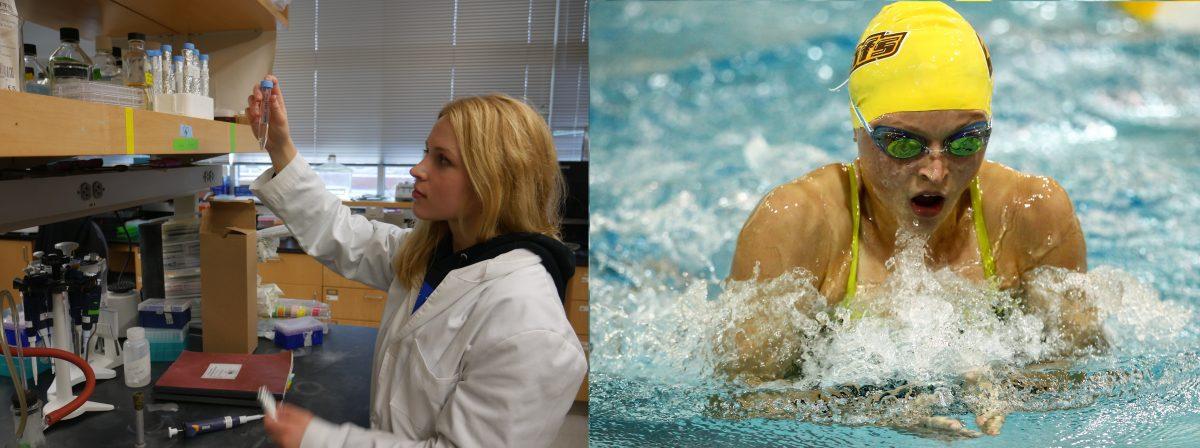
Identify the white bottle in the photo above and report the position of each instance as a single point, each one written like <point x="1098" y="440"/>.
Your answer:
<point x="10" y="47"/>
<point x="136" y="354"/>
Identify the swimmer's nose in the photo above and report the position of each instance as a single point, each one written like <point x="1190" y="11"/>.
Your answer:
<point x="934" y="166"/>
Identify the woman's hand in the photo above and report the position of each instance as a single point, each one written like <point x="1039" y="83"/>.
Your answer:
<point x="287" y="428"/>
<point x="279" y="138"/>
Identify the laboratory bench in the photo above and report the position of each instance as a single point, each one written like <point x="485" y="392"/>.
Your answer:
<point x="300" y="276"/>
<point x="332" y="380"/>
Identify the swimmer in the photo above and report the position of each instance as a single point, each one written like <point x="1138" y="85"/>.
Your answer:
<point x="920" y="103"/>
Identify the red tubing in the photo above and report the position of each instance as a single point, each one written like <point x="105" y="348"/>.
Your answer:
<point x="88" y="375"/>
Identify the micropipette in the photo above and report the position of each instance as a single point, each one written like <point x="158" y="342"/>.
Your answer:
<point x="266" y="86"/>
<point x="194" y="429"/>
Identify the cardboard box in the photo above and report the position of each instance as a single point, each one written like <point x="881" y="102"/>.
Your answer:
<point x="228" y="264"/>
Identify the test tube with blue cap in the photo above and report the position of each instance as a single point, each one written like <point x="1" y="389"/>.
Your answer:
<point x="266" y="87"/>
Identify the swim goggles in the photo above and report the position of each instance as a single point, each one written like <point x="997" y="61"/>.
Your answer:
<point x="901" y="144"/>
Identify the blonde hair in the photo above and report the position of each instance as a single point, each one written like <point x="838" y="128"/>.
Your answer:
<point x="513" y="171"/>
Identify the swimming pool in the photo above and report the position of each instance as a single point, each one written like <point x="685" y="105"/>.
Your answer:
<point x="697" y="111"/>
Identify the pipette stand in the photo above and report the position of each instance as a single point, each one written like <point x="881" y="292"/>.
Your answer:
<point x="62" y="369"/>
<point x="106" y="357"/>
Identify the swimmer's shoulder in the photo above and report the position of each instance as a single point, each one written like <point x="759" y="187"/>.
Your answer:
<point x="1035" y="212"/>
<point x="795" y="225"/>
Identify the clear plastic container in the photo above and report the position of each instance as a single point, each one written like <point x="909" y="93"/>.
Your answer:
<point x="165" y="313"/>
<point x="154" y="57"/>
<point x="285" y="308"/>
<point x="99" y="92"/>
<point x="204" y="74"/>
<point x="181" y="231"/>
<point x="69" y="62"/>
<point x="337" y="177"/>
<point x="166" y="343"/>
<point x="136" y="357"/>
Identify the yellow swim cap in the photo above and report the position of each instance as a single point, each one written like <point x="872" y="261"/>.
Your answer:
<point x="919" y="56"/>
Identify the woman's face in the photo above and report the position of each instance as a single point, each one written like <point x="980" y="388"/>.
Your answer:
<point x="922" y="189"/>
<point x="442" y="191"/>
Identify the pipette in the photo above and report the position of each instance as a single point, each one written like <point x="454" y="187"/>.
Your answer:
<point x="267" y="86"/>
<point x="194" y="429"/>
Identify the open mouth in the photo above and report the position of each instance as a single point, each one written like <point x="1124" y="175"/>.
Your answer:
<point x="927" y="205"/>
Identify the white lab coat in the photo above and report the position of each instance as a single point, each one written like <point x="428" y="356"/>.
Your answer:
<point x="488" y="361"/>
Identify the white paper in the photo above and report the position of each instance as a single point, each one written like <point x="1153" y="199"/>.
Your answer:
<point x="221" y="371"/>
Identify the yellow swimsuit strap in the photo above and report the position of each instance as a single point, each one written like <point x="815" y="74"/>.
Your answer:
<point x="985" y="247"/>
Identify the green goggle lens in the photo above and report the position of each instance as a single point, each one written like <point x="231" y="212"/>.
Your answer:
<point x="965" y="146"/>
<point x="904" y="148"/>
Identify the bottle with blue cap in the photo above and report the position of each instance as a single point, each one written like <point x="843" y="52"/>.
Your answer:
<point x="167" y="58"/>
<point x="267" y="87"/>
<point x="191" y="69"/>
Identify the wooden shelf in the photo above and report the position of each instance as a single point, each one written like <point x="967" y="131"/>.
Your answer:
<point x="382" y="204"/>
<point x="43" y="126"/>
<point x="116" y="18"/>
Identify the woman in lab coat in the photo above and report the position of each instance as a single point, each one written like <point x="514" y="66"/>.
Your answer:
<point x="474" y="348"/>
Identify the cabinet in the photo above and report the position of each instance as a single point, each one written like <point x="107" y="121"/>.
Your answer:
<point x="14" y="256"/>
<point x="303" y="277"/>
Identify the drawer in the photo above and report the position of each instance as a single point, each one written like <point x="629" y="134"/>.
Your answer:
<point x="306" y="292"/>
<point x="355" y="303"/>
<point x="577" y="286"/>
<point x="577" y="314"/>
<point x="582" y="395"/>
<point x="333" y="280"/>
<point x="295" y="269"/>
<point x="357" y="323"/>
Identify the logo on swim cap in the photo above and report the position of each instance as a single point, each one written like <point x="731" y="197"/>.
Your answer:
<point x="877" y="46"/>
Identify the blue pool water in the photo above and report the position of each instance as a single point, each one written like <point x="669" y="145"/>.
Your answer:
<point x="699" y="109"/>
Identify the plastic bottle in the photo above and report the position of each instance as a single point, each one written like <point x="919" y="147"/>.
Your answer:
<point x="10" y="46"/>
<point x="35" y="427"/>
<point x="154" y="57"/>
<point x="104" y="68"/>
<point x="204" y="74"/>
<point x="136" y="66"/>
<point x="176" y="76"/>
<point x="168" y="69"/>
<point x="136" y="357"/>
<point x="69" y="62"/>
<point x="337" y="177"/>
<point x="191" y="69"/>
<point x="35" y="73"/>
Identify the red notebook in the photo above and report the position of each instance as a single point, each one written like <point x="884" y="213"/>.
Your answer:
<point x="224" y="378"/>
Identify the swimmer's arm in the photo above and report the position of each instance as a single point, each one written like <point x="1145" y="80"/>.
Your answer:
<point x="783" y="233"/>
<point x="1060" y="243"/>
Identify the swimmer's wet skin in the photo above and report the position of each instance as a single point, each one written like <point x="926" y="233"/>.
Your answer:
<point x="920" y="103"/>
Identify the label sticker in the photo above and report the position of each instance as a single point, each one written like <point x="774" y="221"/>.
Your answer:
<point x="221" y="371"/>
<point x="186" y="144"/>
<point x="185" y="131"/>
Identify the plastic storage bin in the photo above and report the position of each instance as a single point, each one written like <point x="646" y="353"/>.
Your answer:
<point x="299" y="332"/>
<point x="164" y="313"/>
<point x="165" y="343"/>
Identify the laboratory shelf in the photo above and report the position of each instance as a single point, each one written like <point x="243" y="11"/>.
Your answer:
<point x="33" y="201"/>
<point x="153" y="17"/>
<point x="48" y="127"/>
